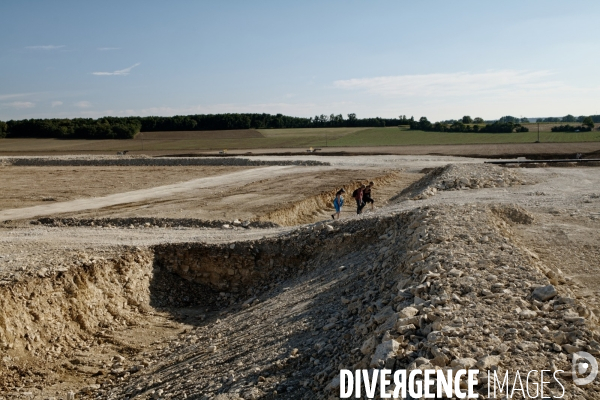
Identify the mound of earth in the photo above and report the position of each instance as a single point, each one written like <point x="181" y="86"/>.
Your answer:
<point x="433" y="288"/>
<point x="436" y="288"/>
<point x="461" y="177"/>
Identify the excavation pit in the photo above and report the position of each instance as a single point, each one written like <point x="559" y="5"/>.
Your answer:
<point x="450" y="275"/>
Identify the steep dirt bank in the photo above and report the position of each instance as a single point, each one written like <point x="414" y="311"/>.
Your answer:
<point x="433" y="288"/>
<point x="437" y="287"/>
<point x="320" y="206"/>
<point x="45" y="320"/>
<point x="71" y="328"/>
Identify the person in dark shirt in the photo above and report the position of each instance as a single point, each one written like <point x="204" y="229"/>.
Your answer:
<point x="367" y="195"/>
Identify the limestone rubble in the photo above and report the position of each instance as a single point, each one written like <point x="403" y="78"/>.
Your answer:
<point x="440" y="288"/>
<point x="431" y="287"/>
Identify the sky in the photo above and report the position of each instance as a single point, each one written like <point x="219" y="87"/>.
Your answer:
<point x="438" y="59"/>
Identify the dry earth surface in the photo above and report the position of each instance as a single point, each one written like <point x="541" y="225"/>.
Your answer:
<point x="13" y="147"/>
<point x="29" y="186"/>
<point x="193" y="294"/>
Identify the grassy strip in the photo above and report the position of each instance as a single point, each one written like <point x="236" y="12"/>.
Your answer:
<point x="397" y="137"/>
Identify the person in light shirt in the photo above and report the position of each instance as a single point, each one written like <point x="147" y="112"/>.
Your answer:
<point x="338" y="202"/>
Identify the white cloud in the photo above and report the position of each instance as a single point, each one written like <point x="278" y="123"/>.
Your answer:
<point x="452" y="84"/>
<point x="46" y="47"/>
<point x="108" y="48"/>
<point x="488" y="94"/>
<point x="57" y="103"/>
<point x="19" y="104"/>
<point x="83" y="104"/>
<point x="13" y="95"/>
<point x="125" y="71"/>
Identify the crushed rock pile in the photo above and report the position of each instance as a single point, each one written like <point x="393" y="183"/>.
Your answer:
<point x="461" y="177"/>
<point x="147" y="161"/>
<point x="150" y="222"/>
<point x="565" y="164"/>
<point x="434" y="288"/>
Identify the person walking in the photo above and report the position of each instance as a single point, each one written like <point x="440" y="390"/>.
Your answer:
<point x="338" y="202"/>
<point x="367" y="195"/>
<point x="358" y="196"/>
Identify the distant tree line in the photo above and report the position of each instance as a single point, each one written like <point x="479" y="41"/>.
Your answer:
<point x="76" y="128"/>
<point x="3" y="129"/>
<point x="571" y="128"/>
<point x="468" y="120"/>
<point x="570" y="119"/>
<point x="501" y="126"/>
<point x="128" y="127"/>
<point x="514" y="120"/>
<point x="587" y="124"/>
<point x="210" y="122"/>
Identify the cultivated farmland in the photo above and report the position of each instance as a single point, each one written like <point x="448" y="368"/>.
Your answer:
<point x="300" y="139"/>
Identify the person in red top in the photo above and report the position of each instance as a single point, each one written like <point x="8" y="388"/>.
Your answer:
<point x="358" y="196"/>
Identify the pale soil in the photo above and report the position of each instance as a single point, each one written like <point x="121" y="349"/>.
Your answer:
<point x="236" y="193"/>
<point x="246" y="194"/>
<point x="564" y="202"/>
<point x="156" y="192"/>
<point x="256" y="199"/>
<point x="31" y="186"/>
<point x="12" y="147"/>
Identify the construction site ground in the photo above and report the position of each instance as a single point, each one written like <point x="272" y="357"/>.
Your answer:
<point x="113" y="283"/>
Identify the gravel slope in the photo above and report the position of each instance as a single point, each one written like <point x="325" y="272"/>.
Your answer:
<point x="444" y="279"/>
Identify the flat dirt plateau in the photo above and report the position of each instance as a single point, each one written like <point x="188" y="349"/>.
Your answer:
<point x="233" y="282"/>
<point x="309" y="191"/>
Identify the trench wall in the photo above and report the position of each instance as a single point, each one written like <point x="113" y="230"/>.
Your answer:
<point x="43" y="315"/>
<point x="307" y="210"/>
<point x="240" y="266"/>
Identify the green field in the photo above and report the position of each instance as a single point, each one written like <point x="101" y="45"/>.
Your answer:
<point x="397" y="137"/>
<point x="290" y="138"/>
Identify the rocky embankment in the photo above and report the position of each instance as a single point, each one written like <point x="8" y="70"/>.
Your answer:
<point x="434" y="288"/>
<point x="150" y="222"/>
<point x="437" y="287"/>
<point x="146" y="161"/>
<point x="461" y="177"/>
